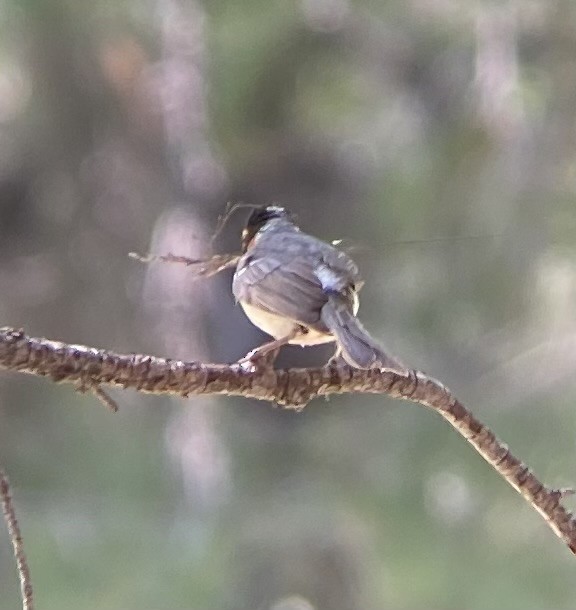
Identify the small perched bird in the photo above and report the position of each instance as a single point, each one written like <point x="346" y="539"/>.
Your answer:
<point x="303" y="291"/>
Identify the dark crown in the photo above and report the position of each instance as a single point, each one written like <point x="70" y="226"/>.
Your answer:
<point x="259" y="217"/>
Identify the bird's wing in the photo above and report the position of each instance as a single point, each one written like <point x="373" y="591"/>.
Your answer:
<point x="338" y="271"/>
<point x="285" y="287"/>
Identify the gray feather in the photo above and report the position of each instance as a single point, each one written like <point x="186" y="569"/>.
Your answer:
<point x="359" y="349"/>
<point x="286" y="289"/>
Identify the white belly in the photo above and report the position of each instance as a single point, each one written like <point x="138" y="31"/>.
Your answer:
<point x="278" y="327"/>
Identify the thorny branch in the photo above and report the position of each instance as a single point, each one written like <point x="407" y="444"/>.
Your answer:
<point x="292" y="388"/>
<point x="16" y="538"/>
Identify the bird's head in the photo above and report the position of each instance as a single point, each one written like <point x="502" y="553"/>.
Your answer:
<point x="259" y="218"/>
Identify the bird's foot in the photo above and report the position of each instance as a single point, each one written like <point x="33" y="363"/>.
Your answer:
<point x="337" y="360"/>
<point x="259" y="358"/>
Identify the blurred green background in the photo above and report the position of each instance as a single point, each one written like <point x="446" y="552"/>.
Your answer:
<point x="438" y="137"/>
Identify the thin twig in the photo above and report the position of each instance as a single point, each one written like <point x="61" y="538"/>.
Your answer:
<point x="105" y="399"/>
<point x="17" y="544"/>
<point x="230" y="209"/>
<point x="87" y="384"/>
<point x="202" y="267"/>
<point x="291" y="388"/>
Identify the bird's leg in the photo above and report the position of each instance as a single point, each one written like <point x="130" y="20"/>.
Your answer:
<point x="336" y="359"/>
<point x="266" y="354"/>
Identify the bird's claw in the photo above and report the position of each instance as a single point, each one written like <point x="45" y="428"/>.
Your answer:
<point x="258" y="359"/>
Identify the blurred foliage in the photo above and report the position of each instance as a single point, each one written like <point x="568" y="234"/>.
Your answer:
<point x="437" y="137"/>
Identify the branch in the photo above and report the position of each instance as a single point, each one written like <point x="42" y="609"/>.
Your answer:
<point x="202" y="267"/>
<point x="292" y="388"/>
<point x="16" y="538"/>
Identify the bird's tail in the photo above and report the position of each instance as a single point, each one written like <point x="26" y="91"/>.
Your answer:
<point x="359" y="349"/>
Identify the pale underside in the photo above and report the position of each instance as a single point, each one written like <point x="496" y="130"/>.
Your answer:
<point x="278" y="327"/>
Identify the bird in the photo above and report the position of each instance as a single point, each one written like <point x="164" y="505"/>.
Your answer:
<point x="301" y="290"/>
